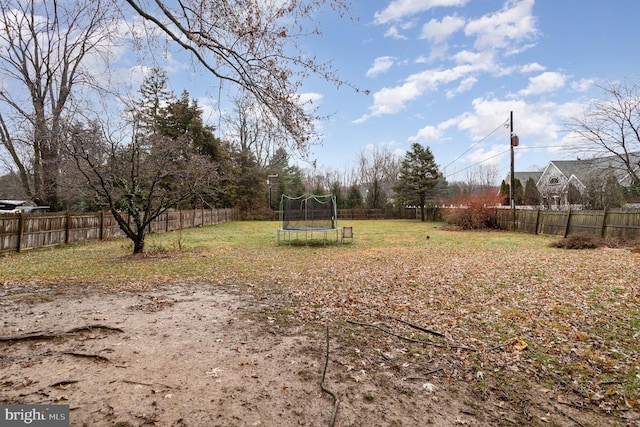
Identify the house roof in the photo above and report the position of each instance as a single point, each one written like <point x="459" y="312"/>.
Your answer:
<point x="523" y="177"/>
<point x="582" y="170"/>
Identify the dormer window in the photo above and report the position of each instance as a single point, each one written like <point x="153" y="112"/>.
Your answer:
<point x="554" y="181"/>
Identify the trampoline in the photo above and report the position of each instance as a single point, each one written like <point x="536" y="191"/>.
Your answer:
<point x="306" y="215"/>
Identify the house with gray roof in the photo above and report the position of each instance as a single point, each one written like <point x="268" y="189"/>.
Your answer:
<point x="556" y="179"/>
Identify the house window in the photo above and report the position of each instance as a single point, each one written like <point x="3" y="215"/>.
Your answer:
<point x="554" y="181"/>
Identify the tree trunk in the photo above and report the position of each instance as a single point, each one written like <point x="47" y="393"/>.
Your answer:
<point x="138" y="243"/>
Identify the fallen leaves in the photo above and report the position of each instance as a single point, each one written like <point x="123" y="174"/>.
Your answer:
<point x="568" y="318"/>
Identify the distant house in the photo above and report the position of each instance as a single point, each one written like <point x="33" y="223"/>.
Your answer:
<point x="523" y="177"/>
<point x="559" y="175"/>
<point x="14" y="206"/>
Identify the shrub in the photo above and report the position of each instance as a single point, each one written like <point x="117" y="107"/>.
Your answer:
<point x="474" y="211"/>
<point x="578" y="241"/>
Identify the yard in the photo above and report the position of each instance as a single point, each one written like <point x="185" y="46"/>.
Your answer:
<point x="412" y="324"/>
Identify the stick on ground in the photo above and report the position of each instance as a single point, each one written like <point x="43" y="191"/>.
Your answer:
<point x="336" y="402"/>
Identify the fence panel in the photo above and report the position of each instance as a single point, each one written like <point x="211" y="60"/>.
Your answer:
<point x="527" y="220"/>
<point x="84" y="226"/>
<point x="553" y="222"/>
<point x="30" y="231"/>
<point x="44" y="230"/>
<point x="622" y="224"/>
<point x="586" y="222"/>
<point x="9" y="232"/>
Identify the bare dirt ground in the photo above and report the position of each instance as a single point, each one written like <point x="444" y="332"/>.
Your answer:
<point x="204" y="355"/>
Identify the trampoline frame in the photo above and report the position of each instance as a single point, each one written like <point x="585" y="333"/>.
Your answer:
<point x="308" y="230"/>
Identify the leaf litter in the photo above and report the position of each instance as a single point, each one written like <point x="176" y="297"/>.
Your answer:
<point x="526" y="334"/>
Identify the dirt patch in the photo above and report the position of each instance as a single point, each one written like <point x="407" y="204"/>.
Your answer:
<point x="202" y="355"/>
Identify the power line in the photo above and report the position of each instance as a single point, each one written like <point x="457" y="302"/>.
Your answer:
<point x="480" y="162"/>
<point x="501" y="153"/>
<point x="477" y="143"/>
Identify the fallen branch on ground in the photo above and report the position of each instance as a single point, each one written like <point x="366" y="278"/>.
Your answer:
<point x="420" y="328"/>
<point x="88" y="356"/>
<point x="336" y="402"/>
<point x="370" y="325"/>
<point x="148" y="384"/>
<point x="92" y="327"/>
<point x="35" y="336"/>
<point x="63" y="383"/>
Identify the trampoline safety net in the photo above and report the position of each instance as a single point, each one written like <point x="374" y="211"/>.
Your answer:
<point x="308" y="212"/>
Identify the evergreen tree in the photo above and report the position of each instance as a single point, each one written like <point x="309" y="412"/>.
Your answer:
<point x="613" y="196"/>
<point x="150" y="109"/>
<point x="505" y="192"/>
<point x="418" y="177"/>
<point x="531" y="194"/>
<point x="376" y="196"/>
<point x="573" y="195"/>
<point x="518" y="193"/>
<point x="354" y="197"/>
<point x="247" y="183"/>
<point x="336" y="190"/>
<point x="290" y="183"/>
<point x="592" y="196"/>
<point x="318" y="190"/>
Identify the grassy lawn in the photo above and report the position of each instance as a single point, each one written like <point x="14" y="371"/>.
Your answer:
<point x="509" y="305"/>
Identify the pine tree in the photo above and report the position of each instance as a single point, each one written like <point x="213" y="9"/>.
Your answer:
<point x="531" y="194"/>
<point x="354" y="197"/>
<point x="518" y="192"/>
<point x="150" y="110"/>
<point x="592" y="195"/>
<point x="418" y="177"/>
<point x="505" y="192"/>
<point x="573" y="195"/>
<point x="613" y="196"/>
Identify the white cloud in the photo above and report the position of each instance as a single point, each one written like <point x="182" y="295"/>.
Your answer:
<point x="428" y="134"/>
<point x="392" y="100"/>
<point x="394" y="33"/>
<point x="583" y="85"/>
<point x="464" y="86"/>
<point x="381" y="64"/>
<point x="310" y="100"/>
<point x="431" y="134"/>
<point x="544" y="83"/>
<point x="534" y="67"/>
<point x="500" y="30"/>
<point x="438" y="31"/>
<point x="399" y="9"/>
<point x="537" y="124"/>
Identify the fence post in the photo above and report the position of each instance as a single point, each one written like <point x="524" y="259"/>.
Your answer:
<point x="566" y="226"/>
<point x="537" y="222"/>
<point x="604" y="222"/>
<point x="20" y="230"/>
<point x="101" y="230"/>
<point x="67" y="229"/>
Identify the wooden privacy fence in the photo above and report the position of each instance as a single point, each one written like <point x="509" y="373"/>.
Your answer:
<point x="622" y="224"/>
<point x="22" y="231"/>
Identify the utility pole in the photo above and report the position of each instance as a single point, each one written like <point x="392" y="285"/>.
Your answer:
<point x="512" y="193"/>
<point x="513" y="142"/>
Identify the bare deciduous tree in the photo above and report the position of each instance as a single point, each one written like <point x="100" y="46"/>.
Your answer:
<point x="252" y="130"/>
<point x="254" y="45"/>
<point x="379" y="170"/>
<point x="611" y="127"/>
<point x="45" y="45"/>
<point x="140" y="180"/>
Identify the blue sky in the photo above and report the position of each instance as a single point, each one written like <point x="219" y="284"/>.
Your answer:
<point x="447" y="73"/>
